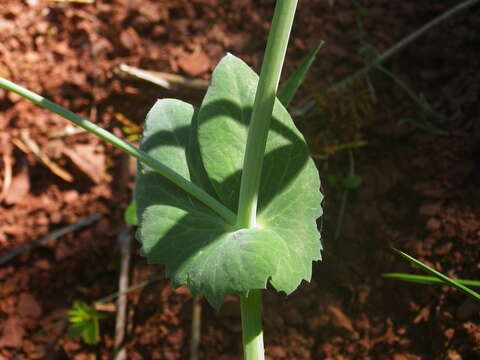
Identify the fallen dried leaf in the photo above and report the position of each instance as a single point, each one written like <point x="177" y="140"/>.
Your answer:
<point x="19" y="187"/>
<point x="28" y="306"/>
<point x="423" y="315"/>
<point x="339" y="319"/>
<point x="13" y="333"/>
<point x="28" y="143"/>
<point x="195" y="64"/>
<point x="88" y="160"/>
<point x="453" y="355"/>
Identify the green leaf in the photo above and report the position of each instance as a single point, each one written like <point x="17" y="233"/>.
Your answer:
<point x="352" y="182"/>
<point x="289" y="201"/>
<point x="130" y="214"/>
<point x="197" y="246"/>
<point x="289" y="89"/>
<point x="428" y="280"/>
<point x="76" y="319"/>
<point x="75" y="330"/>
<point x="91" y="332"/>
<point x="332" y="180"/>
<point x="85" y="322"/>
<point x="175" y="229"/>
<point x="439" y="275"/>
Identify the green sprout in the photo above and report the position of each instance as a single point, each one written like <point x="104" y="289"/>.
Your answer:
<point x="85" y="322"/>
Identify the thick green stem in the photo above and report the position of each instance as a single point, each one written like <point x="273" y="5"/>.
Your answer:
<point x="168" y="173"/>
<point x="251" y="305"/>
<point x="262" y="111"/>
<point x="251" y="310"/>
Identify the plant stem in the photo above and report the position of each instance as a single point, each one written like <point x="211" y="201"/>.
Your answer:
<point x="156" y="165"/>
<point x="251" y="305"/>
<point x="251" y="310"/>
<point x="262" y="110"/>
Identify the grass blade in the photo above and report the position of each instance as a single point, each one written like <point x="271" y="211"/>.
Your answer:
<point x="428" y="280"/>
<point x="438" y="275"/>
<point x="289" y="89"/>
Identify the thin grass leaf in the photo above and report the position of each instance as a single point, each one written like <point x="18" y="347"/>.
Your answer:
<point x="289" y="89"/>
<point x="444" y="278"/>
<point x="428" y="280"/>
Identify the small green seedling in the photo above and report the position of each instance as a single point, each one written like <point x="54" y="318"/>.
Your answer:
<point x="85" y="319"/>
<point x="85" y="322"/>
<point x="227" y="195"/>
<point x="339" y="185"/>
<point x="130" y="214"/>
<point x="437" y="278"/>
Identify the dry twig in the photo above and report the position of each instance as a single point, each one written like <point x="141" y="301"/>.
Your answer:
<point x="53" y="235"/>
<point x="68" y="130"/>
<point x="75" y="1"/>
<point x="162" y="79"/>
<point x="407" y="40"/>
<point x="7" y="176"/>
<point x="393" y="50"/>
<point x="196" y="327"/>
<point x="124" y="240"/>
<point x="27" y="142"/>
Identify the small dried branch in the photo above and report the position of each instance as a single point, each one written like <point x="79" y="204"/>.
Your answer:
<point x="407" y="40"/>
<point x="7" y="176"/>
<point x="124" y="241"/>
<point x="100" y="302"/>
<point x="69" y="130"/>
<point x="75" y="1"/>
<point x="392" y="51"/>
<point x="196" y="327"/>
<point x="165" y="80"/>
<point x="33" y="147"/>
<point x="53" y="235"/>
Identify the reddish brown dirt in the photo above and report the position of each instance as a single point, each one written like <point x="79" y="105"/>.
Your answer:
<point x="419" y="192"/>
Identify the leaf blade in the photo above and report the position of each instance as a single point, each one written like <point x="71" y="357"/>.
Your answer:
<point x="289" y="175"/>
<point x="198" y="247"/>
<point x="427" y="280"/>
<point x="439" y="275"/>
<point x="290" y="88"/>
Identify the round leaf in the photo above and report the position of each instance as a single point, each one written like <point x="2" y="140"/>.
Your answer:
<point x="196" y="245"/>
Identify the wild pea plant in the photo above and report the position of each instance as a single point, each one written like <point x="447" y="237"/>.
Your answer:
<point x="227" y="195"/>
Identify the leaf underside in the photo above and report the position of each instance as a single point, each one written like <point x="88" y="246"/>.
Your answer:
<point x="207" y="146"/>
